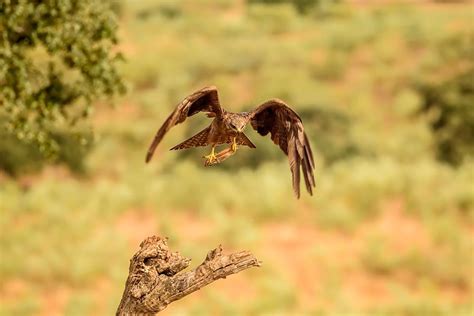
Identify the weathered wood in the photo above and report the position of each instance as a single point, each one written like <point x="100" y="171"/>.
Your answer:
<point x="156" y="279"/>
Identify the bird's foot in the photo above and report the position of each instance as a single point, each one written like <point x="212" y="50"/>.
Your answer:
<point x="211" y="159"/>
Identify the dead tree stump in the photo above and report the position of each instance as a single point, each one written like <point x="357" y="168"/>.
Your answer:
<point x="156" y="279"/>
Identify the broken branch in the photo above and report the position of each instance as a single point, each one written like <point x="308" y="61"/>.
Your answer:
<point x="156" y="279"/>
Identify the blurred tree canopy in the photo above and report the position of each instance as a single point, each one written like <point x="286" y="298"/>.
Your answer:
<point x="56" y="57"/>
<point x="448" y="99"/>
<point x="451" y="103"/>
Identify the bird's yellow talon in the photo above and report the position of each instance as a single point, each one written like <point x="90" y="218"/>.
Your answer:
<point x="211" y="158"/>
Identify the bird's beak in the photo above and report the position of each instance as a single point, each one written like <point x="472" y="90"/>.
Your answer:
<point x="240" y="129"/>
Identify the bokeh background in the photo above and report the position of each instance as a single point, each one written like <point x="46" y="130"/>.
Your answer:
<point x="385" y="90"/>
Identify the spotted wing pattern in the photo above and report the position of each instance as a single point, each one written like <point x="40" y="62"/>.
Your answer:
<point x="286" y="131"/>
<point x="204" y="100"/>
<point x="200" y="139"/>
<point x="242" y="139"/>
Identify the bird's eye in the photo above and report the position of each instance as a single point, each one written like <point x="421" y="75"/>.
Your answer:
<point x="233" y="126"/>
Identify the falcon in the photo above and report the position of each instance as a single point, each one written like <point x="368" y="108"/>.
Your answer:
<point x="273" y="117"/>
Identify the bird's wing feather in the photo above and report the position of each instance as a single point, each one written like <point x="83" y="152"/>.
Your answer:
<point x="200" y="139"/>
<point x="204" y="100"/>
<point x="242" y="139"/>
<point x="286" y="130"/>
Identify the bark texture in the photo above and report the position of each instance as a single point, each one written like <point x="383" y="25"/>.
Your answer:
<point x="156" y="279"/>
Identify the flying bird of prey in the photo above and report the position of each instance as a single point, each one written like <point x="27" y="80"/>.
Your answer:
<point x="274" y="117"/>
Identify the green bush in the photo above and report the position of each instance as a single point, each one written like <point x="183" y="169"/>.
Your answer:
<point x="450" y="111"/>
<point x="55" y="59"/>
<point x="19" y="157"/>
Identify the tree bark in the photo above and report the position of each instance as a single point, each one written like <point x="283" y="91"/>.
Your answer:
<point x="156" y="279"/>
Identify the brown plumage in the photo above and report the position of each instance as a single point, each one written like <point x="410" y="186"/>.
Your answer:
<point x="274" y="117"/>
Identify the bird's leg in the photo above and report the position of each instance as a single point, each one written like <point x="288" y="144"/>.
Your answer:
<point x="233" y="147"/>
<point x="226" y="153"/>
<point x="211" y="158"/>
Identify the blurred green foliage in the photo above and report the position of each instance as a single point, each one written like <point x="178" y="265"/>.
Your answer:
<point x="22" y="158"/>
<point x="303" y="6"/>
<point x="449" y="106"/>
<point x="448" y="95"/>
<point x="55" y="59"/>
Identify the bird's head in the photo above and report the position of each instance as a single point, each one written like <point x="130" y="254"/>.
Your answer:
<point x="236" y="122"/>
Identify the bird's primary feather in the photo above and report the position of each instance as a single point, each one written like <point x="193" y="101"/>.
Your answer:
<point x="286" y="130"/>
<point x="204" y="100"/>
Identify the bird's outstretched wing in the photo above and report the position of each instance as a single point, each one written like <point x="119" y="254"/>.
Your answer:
<point x="286" y="130"/>
<point x="204" y="100"/>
